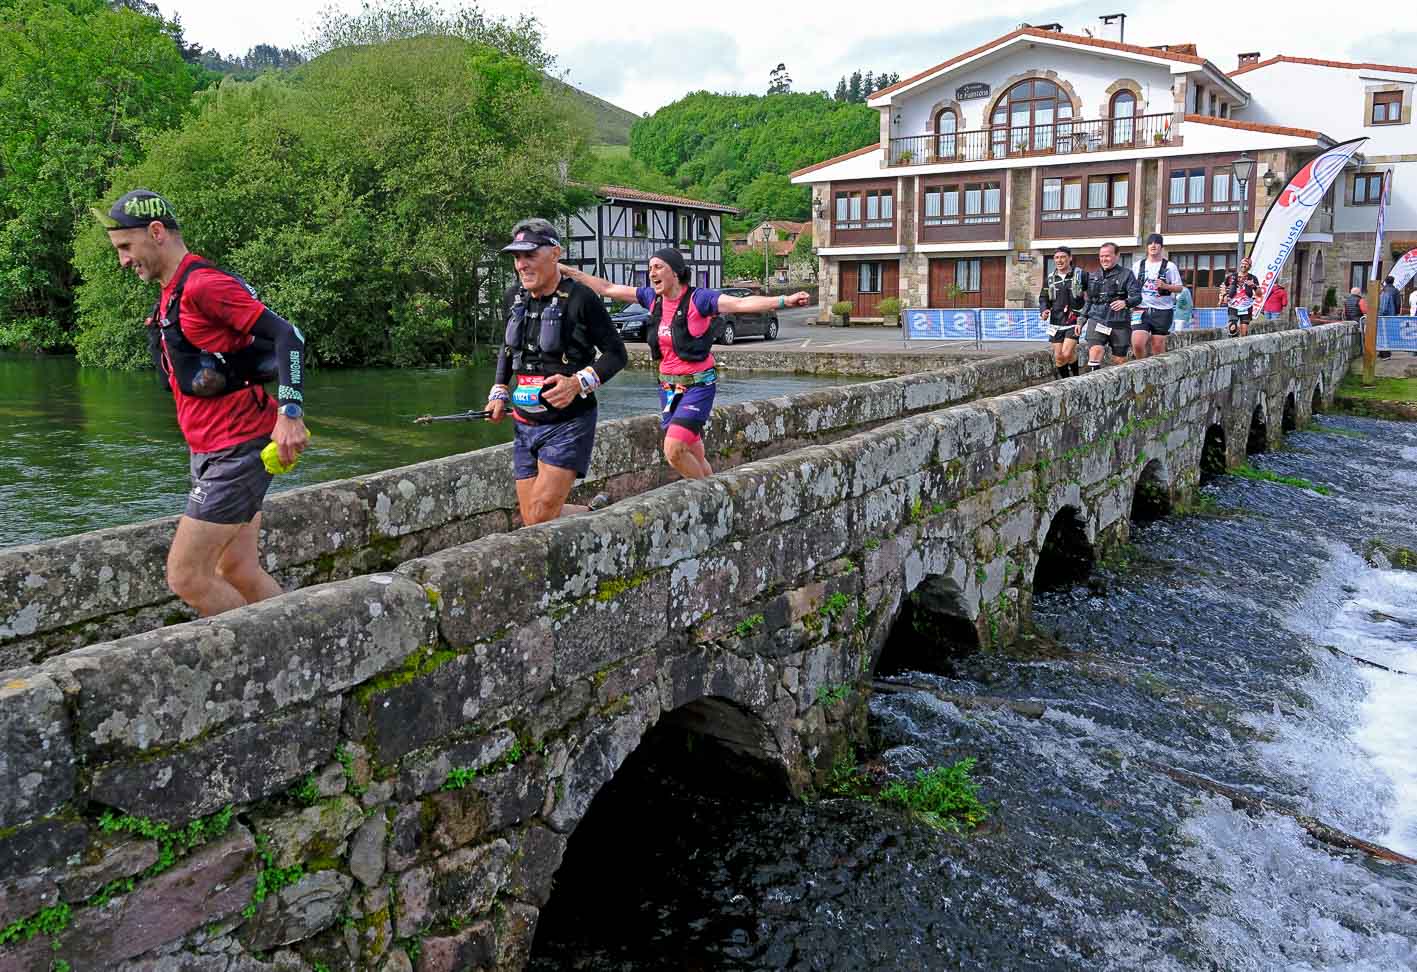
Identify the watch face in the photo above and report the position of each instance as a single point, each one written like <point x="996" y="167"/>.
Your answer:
<point x="291" y="411"/>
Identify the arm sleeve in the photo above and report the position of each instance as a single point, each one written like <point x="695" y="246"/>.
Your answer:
<point x="606" y="339"/>
<point x="289" y="344"/>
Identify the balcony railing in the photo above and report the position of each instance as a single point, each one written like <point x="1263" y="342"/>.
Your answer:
<point x="1074" y="137"/>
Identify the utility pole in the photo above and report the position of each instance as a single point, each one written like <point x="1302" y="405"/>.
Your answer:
<point x="1370" y="334"/>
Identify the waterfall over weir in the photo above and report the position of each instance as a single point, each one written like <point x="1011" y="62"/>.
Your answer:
<point x="1203" y="647"/>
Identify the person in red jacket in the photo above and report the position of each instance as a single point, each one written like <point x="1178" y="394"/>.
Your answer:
<point x="207" y="333"/>
<point x="1276" y="302"/>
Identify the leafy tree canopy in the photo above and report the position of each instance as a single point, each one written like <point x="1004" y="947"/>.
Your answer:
<point x="364" y="194"/>
<point x="81" y="86"/>
<point x="739" y="149"/>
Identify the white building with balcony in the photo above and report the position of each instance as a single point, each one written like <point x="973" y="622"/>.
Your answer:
<point x="988" y="161"/>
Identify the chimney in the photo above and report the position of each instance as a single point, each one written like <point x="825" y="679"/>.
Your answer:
<point x="1114" y="27"/>
<point x="1253" y="57"/>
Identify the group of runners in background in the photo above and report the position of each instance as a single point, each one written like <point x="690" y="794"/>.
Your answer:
<point x="1118" y="309"/>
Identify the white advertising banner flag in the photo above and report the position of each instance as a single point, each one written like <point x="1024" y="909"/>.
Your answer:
<point x="1287" y="216"/>
<point x="1376" y="265"/>
<point x="1404" y="269"/>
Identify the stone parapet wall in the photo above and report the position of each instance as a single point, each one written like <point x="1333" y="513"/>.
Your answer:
<point x="385" y="771"/>
<point x="61" y="594"/>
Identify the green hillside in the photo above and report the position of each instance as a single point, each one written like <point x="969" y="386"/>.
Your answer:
<point x="612" y="123"/>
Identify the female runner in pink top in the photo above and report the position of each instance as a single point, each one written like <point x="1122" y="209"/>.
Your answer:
<point x="680" y="339"/>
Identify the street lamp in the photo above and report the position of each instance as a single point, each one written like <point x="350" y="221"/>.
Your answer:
<point x="1242" y="168"/>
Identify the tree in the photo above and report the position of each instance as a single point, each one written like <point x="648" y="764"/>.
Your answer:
<point x="853" y="87"/>
<point x="81" y="85"/>
<point x="364" y="195"/>
<point x="744" y="265"/>
<point x="379" y="21"/>
<point x="739" y="149"/>
<point x="802" y="261"/>
<point x="841" y="94"/>
<point x="778" y="81"/>
<point x="868" y="85"/>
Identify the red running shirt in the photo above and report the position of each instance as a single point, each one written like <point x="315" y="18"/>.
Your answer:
<point x="217" y="314"/>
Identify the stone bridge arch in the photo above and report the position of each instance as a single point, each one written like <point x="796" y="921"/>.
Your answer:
<point x="454" y="718"/>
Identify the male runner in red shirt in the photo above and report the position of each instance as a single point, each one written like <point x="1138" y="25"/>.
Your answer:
<point x="205" y="343"/>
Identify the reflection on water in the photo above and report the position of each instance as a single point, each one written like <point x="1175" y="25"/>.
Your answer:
<point x="86" y="448"/>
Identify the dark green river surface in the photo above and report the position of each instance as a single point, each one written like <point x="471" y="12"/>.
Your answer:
<point x="86" y="448"/>
<point x="1202" y="650"/>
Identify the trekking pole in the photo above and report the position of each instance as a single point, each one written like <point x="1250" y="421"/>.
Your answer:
<point x="469" y="416"/>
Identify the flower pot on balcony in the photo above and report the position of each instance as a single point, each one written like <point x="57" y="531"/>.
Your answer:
<point x="905" y="157"/>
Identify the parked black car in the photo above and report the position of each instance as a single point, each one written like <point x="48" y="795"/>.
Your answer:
<point x="630" y="321"/>
<point x="734" y="326"/>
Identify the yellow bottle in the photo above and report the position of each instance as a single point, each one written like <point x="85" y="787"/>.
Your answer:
<point x="270" y="457"/>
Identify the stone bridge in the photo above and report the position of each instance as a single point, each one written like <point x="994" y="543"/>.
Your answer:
<point x="383" y="770"/>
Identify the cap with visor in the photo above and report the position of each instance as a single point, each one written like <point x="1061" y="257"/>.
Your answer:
<point x="136" y="209"/>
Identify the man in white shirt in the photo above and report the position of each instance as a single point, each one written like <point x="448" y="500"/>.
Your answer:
<point x="1160" y="283"/>
<point x="1412" y="303"/>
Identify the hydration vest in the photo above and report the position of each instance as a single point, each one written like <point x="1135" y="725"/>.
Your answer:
<point x="555" y="349"/>
<point x="197" y="371"/>
<point x="1140" y="268"/>
<point x="686" y="346"/>
<point x="1103" y="287"/>
<point x="1076" y="282"/>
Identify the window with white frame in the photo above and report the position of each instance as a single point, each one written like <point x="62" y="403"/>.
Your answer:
<point x="1062" y="198"/>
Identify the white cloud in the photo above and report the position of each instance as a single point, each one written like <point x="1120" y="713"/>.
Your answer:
<point x="641" y="55"/>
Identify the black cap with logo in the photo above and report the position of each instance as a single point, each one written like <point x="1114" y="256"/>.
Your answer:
<point x="136" y="209"/>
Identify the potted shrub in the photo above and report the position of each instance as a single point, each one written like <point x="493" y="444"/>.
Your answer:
<point x="890" y="312"/>
<point x="905" y="157"/>
<point x="1330" y="299"/>
<point x="841" y="313"/>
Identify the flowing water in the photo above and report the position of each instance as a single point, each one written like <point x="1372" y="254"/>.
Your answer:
<point x="83" y="448"/>
<point x="1204" y="652"/>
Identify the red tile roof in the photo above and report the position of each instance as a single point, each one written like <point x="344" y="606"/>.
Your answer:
<point x="1254" y="126"/>
<point x="1051" y="35"/>
<point x="1285" y="58"/>
<point x="840" y="158"/>
<point x="639" y="195"/>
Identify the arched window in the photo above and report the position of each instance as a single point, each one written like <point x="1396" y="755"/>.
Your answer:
<point x="946" y="124"/>
<point x="1032" y="116"/>
<point x="1124" y="110"/>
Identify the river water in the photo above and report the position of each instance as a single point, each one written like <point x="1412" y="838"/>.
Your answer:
<point x="1204" y="650"/>
<point x="83" y="448"/>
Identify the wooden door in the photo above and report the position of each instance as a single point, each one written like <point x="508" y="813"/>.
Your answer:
<point x="978" y="282"/>
<point x="881" y="279"/>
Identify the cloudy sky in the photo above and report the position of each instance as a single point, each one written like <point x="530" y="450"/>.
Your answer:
<point x="643" y="55"/>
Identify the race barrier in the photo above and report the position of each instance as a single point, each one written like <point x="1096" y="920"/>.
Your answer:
<point x="980" y="324"/>
<point x="1397" y="333"/>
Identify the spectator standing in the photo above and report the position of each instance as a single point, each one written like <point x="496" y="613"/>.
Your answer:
<point x="1412" y="303"/>
<point x="1354" y="306"/>
<point x="1276" y="302"/>
<point x="1389" y="300"/>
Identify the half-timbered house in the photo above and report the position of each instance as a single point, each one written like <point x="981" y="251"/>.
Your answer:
<point x="616" y="238"/>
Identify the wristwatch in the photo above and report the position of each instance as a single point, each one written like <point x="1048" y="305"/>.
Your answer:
<point x="292" y="411"/>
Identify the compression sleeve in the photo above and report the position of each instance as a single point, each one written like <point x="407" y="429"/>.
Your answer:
<point x="290" y="354"/>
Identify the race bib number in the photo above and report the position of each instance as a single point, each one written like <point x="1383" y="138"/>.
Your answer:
<point x="1102" y="329"/>
<point x="526" y="396"/>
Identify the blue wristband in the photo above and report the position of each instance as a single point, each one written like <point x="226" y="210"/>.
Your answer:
<point x="781" y="302"/>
